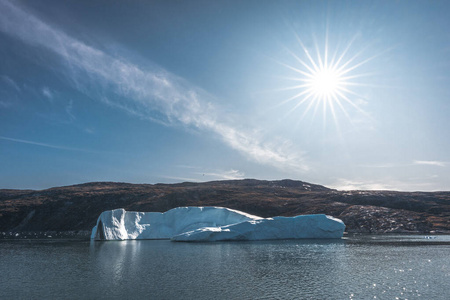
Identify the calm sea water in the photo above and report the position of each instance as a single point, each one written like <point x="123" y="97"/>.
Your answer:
<point x="357" y="267"/>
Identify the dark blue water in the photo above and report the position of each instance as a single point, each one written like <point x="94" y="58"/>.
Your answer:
<point x="358" y="267"/>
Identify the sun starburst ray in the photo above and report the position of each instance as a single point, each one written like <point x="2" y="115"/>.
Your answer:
<point x="319" y="57"/>
<point x="308" y="55"/>
<point x="347" y="78"/>
<point x="333" y="112"/>
<point x="343" y="96"/>
<point x="349" y="69"/>
<point x="316" y="107"/>
<point x="295" y="69"/>
<point x="308" y="67"/>
<point x="301" y="61"/>
<point x="344" y="53"/>
<point x="338" y="102"/>
<point x="295" y="87"/>
<point x="305" y="92"/>
<point x="327" y="78"/>
<point x="301" y="102"/>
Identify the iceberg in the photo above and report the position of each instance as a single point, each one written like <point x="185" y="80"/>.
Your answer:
<point x="119" y="224"/>
<point x="299" y="227"/>
<point x="206" y="224"/>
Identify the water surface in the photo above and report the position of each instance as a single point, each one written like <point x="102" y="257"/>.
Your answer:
<point x="356" y="267"/>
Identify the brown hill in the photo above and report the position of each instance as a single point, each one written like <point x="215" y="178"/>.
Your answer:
<point x="77" y="207"/>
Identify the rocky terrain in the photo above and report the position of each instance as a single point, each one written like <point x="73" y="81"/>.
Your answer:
<point x="74" y="209"/>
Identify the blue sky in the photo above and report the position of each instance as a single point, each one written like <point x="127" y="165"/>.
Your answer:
<point x="172" y="91"/>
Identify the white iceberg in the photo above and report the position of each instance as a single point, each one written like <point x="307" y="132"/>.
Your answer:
<point x="299" y="227"/>
<point x="211" y="224"/>
<point x="119" y="224"/>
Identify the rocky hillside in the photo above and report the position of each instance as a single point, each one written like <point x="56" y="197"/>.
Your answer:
<point x="74" y="208"/>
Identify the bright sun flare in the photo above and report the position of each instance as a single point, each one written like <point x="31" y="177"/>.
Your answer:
<point x="325" y="83"/>
<point x="325" y="80"/>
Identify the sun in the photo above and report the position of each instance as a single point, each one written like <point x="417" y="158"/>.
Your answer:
<point x="326" y="80"/>
<point x="325" y="83"/>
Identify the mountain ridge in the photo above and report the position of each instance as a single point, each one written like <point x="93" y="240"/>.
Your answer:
<point x="76" y="207"/>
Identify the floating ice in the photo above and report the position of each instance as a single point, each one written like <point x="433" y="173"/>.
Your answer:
<point x="211" y="224"/>
<point x="119" y="224"/>
<point x="299" y="227"/>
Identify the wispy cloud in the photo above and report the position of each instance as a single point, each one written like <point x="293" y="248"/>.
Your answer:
<point x="47" y="93"/>
<point x="209" y="175"/>
<point x="11" y="82"/>
<point x="7" y="94"/>
<point x="178" y="179"/>
<point x="227" y="175"/>
<point x="50" y="145"/>
<point x="147" y="91"/>
<point x="400" y="165"/>
<point x="89" y="130"/>
<point x="430" y="163"/>
<point x="383" y="165"/>
<point x="188" y="167"/>
<point x="69" y="110"/>
<point x="58" y="147"/>
<point x="5" y="104"/>
<point x="347" y="185"/>
<point x="424" y="183"/>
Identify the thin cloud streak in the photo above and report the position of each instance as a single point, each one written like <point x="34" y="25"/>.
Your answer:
<point x="224" y="175"/>
<point x="352" y="185"/>
<point x="384" y="165"/>
<point x="178" y="179"/>
<point x="414" y="163"/>
<point x="50" y="145"/>
<point x="47" y="93"/>
<point x="5" y="104"/>
<point x="426" y="183"/>
<point x="146" y="91"/>
<point x="430" y="163"/>
<point x="11" y="82"/>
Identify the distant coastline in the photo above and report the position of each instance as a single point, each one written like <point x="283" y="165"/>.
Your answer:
<point x="73" y="210"/>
